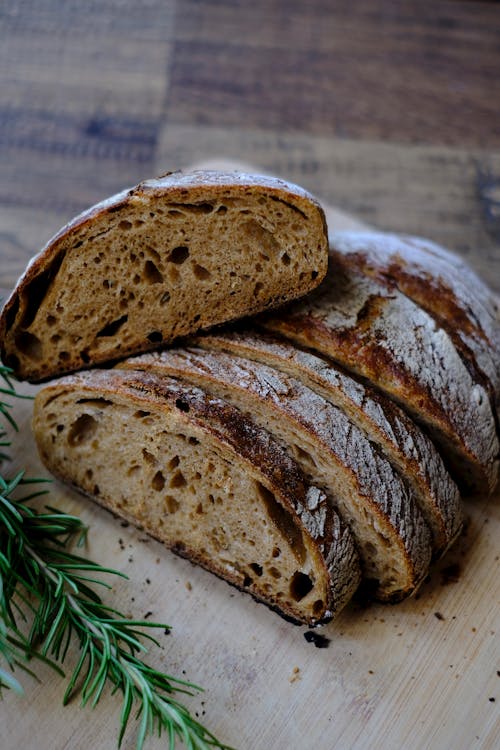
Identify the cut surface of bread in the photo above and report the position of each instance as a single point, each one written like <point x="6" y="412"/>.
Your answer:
<point x="404" y="444"/>
<point x="386" y="339"/>
<point x="200" y="477"/>
<point x="171" y="256"/>
<point x="390" y="533"/>
<point x="443" y="285"/>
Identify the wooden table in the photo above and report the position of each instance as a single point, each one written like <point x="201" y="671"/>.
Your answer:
<point x="389" y="111"/>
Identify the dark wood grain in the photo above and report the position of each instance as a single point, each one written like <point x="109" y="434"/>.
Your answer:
<point x="412" y="71"/>
<point x="390" y="109"/>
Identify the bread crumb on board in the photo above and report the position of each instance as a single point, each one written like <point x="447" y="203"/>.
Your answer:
<point x="295" y="675"/>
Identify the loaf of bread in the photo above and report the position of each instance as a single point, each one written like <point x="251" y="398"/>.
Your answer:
<point x="390" y="533"/>
<point x="166" y="258"/>
<point x="441" y="284"/>
<point x="384" y="423"/>
<point x="203" y="479"/>
<point x="382" y="336"/>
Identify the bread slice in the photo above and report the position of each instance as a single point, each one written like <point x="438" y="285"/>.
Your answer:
<point x="200" y="477"/>
<point x="407" y="448"/>
<point x="443" y="285"/>
<point x="391" y="535"/>
<point x="166" y="258"/>
<point x="385" y="338"/>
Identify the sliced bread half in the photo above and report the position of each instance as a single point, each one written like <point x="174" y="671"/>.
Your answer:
<point x="205" y="480"/>
<point x="166" y="258"/>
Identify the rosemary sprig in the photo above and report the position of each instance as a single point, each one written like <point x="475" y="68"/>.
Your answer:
<point x="48" y="600"/>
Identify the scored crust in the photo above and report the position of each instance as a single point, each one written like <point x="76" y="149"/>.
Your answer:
<point x="391" y="535"/>
<point x="203" y="479"/>
<point x="443" y="285"/>
<point x="404" y="444"/>
<point x="166" y="258"/>
<point x="386" y="339"/>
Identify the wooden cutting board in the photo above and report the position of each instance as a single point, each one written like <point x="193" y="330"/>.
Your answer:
<point x="421" y="674"/>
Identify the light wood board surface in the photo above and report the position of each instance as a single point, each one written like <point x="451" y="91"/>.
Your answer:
<point x="421" y="674"/>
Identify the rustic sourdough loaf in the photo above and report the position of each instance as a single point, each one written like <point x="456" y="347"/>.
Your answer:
<point x="404" y="444"/>
<point x="391" y="535"/>
<point x="203" y="479"/>
<point x="384" y="337"/>
<point x="441" y="284"/>
<point x="166" y="258"/>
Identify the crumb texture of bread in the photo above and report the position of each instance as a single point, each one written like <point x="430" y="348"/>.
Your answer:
<point x="383" y="337"/>
<point x="383" y="422"/>
<point x="203" y="479"/>
<point x="164" y="259"/>
<point x="391" y="535"/>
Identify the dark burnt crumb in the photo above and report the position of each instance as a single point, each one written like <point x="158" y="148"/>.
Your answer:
<point x="148" y="581"/>
<point x="491" y="700"/>
<point x="320" y="641"/>
<point x="498" y="672"/>
<point x="120" y="542"/>
<point x="124" y="524"/>
<point x="370" y="671"/>
<point x="450" y="574"/>
<point x="438" y="616"/>
<point x="131" y="559"/>
<point x="167" y="631"/>
<point x="145" y="539"/>
<point x="148" y="614"/>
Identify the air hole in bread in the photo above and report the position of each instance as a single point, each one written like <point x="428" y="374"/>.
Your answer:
<point x="314" y="275"/>
<point x="158" y="481"/>
<point x="124" y="224"/>
<point x="285" y="259"/>
<point x="148" y="457"/>
<point x="318" y="607"/>
<point x="193" y="441"/>
<point x="84" y="356"/>
<point x="134" y="470"/>
<point x="274" y="572"/>
<point x="165" y="297"/>
<point x="36" y="290"/>
<point x="82" y="429"/>
<point x="257" y="288"/>
<point x="182" y="405"/>
<point x="171" y="504"/>
<point x="110" y="329"/>
<point x="257" y="569"/>
<point x="284" y="522"/>
<point x="304" y="457"/>
<point x="89" y="474"/>
<point x="51" y="320"/>
<point x="300" y="585"/>
<point x="151" y="273"/>
<point x="140" y="414"/>
<point x="178" y="480"/>
<point x="276" y="552"/>
<point x="222" y="210"/>
<point x="178" y="255"/>
<point x="138" y="222"/>
<point x="247" y="581"/>
<point x="98" y="402"/>
<point x="30" y="345"/>
<point x="64" y="356"/>
<point x="173" y="463"/>
<point x="201" y="272"/>
<point x="155" y="337"/>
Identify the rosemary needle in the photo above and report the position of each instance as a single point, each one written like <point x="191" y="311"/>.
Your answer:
<point x="48" y="600"/>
